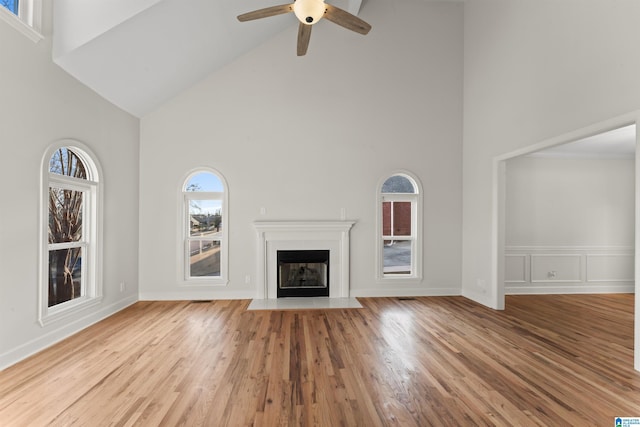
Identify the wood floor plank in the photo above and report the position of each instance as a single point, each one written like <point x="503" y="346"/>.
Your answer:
<point x="544" y="361"/>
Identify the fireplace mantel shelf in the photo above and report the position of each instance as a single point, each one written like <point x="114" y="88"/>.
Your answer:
<point x="293" y="226"/>
<point x="302" y="235"/>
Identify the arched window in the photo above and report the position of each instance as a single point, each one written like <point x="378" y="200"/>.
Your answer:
<point x="70" y="243"/>
<point x="205" y="227"/>
<point x="399" y="228"/>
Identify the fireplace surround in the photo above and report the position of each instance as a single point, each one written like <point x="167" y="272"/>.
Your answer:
<point x="330" y="236"/>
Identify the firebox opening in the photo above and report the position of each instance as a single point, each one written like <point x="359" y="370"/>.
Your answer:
<point x="303" y="273"/>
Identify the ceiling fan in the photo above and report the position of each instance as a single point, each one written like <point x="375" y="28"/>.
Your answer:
<point x="308" y="13"/>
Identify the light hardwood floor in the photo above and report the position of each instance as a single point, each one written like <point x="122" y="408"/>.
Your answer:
<point x="546" y="360"/>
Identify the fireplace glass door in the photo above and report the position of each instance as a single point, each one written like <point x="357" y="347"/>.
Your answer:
<point x="303" y="273"/>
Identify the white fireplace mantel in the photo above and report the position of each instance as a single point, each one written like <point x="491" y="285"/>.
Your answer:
<point x="303" y="235"/>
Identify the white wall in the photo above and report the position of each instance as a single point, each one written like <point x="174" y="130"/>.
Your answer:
<point x="305" y="137"/>
<point x="570" y="202"/>
<point x="569" y="225"/>
<point x="535" y="69"/>
<point x="40" y="104"/>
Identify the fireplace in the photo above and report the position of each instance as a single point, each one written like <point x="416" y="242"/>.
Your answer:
<point x="328" y="237"/>
<point x="303" y="273"/>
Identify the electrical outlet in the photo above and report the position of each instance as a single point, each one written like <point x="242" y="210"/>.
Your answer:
<point x="123" y="286"/>
<point x="247" y="279"/>
<point x="552" y="274"/>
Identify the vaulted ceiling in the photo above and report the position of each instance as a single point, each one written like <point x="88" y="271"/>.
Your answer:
<point x="140" y="53"/>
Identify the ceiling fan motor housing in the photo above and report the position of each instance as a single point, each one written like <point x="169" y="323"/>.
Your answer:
<point x="309" y="11"/>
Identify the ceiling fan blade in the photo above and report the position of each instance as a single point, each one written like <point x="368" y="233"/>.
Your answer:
<point x="346" y="20"/>
<point x="304" y="34"/>
<point x="266" y="12"/>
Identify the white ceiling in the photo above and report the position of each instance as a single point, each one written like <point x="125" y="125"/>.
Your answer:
<point x="617" y="143"/>
<point x="141" y="53"/>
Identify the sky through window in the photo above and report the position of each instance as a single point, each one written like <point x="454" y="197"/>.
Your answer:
<point x="204" y="181"/>
<point x="12" y="5"/>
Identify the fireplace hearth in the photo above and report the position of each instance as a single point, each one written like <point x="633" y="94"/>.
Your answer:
<point x="303" y="273"/>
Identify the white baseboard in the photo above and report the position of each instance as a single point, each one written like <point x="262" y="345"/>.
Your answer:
<point x="542" y="290"/>
<point x="196" y="295"/>
<point x="405" y="292"/>
<point x="36" y="345"/>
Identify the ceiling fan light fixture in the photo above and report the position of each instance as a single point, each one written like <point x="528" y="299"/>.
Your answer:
<point x="309" y="11"/>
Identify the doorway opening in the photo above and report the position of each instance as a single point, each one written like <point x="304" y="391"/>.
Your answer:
<point x="570" y="217"/>
<point x="500" y="220"/>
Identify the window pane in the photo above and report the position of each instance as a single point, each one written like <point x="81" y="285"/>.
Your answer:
<point x="398" y="184"/>
<point x="65" y="215"/>
<point x="397" y="257"/>
<point x="12" y="5"/>
<point x="205" y="181"/>
<point x="396" y="218"/>
<point x="66" y="162"/>
<point x="204" y="258"/>
<point x="386" y="218"/>
<point x="205" y="217"/>
<point x="65" y="272"/>
<point x="401" y="219"/>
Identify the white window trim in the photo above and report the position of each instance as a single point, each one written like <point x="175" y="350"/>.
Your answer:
<point x="416" y="200"/>
<point x="92" y="221"/>
<point x="29" y="19"/>
<point x="185" y="278"/>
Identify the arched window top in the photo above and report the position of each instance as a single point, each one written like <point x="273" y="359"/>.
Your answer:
<point x="70" y="158"/>
<point x="203" y="181"/>
<point x="65" y="161"/>
<point x="399" y="184"/>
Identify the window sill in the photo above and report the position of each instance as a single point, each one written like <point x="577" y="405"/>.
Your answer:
<point x="204" y="282"/>
<point x="20" y="25"/>
<point x="64" y="310"/>
<point x="399" y="279"/>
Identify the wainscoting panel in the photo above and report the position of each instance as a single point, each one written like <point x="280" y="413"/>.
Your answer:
<point x="610" y="267"/>
<point x="516" y="268"/>
<point x="569" y="269"/>
<point x="555" y="268"/>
